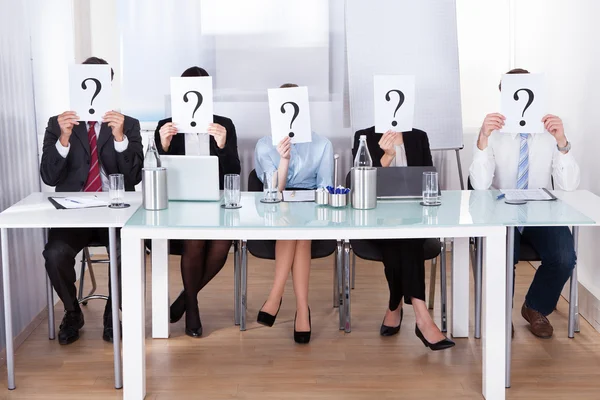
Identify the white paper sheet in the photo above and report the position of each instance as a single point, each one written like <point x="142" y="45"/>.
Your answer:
<point x="290" y="114"/>
<point x="394" y="102"/>
<point x="79" y="202"/>
<point x="526" y="195"/>
<point x="291" y="196"/>
<point x="192" y="103"/>
<point x="90" y="91"/>
<point x="523" y="103"/>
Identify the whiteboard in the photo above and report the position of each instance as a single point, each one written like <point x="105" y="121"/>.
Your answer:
<point x="407" y="37"/>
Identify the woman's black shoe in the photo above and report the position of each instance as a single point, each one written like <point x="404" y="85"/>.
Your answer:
<point x="266" y="319"/>
<point x="193" y="324"/>
<point x="302" y="337"/>
<point x="391" y="330"/>
<point x="195" y="333"/>
<point x="177" y="309"/>
<point x="441" y="345"/>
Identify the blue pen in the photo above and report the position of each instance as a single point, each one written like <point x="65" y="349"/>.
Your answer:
<point x="73" y="201"/>
<point x="500" y="196"/>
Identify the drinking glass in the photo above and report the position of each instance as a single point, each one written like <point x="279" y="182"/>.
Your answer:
<point x="270" y="187"/>
<point x="116" y="190"/>
<point x="430" y="189"/>
<point x="232" y="191"/>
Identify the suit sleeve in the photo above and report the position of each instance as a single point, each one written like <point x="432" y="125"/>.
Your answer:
<point x="131" y="161"/>
<point x="53" y="167"/>
<point x="157" y="141"/>
<point x="228" y="155"/>
<point x="427" y="159"/>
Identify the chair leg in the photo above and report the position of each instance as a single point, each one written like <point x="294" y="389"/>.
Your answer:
<point x="50" y="302"/>
<point x="443" y="288"/>
<point x="432" y="273"/>
<point x="353" y="268"/>
<point x="243" y="285"/>
<point x="573" y="292"/>
<point x="339" y="276"/>
<point x="478" y="278"/>
<point x="82" y="278"/>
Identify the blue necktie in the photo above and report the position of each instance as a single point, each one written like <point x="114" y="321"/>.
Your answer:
<point x="523" y="171"/>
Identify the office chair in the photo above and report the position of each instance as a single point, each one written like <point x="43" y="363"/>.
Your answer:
<point x="87" y="259"/>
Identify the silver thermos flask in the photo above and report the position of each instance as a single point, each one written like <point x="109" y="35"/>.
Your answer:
<point x="364" y="187"/>
<point x="154" y="188"/>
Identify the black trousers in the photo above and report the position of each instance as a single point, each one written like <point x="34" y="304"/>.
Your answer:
<point x="60" y="252"/>
<point x="404" y="265"/>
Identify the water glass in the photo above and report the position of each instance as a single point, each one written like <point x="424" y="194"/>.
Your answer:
<point x="430" y="189"/>
<point x="116" y="190"/>
<point x="270" y="186"/>
<point x="232" y="191"/>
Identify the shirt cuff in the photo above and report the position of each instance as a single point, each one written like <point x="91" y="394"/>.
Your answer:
<point x="122" y="145"/>
<point x="62" y="150"/>
<point x="479" y="154"/>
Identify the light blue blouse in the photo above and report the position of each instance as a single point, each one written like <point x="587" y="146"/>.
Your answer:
<point x="311" y="164"/>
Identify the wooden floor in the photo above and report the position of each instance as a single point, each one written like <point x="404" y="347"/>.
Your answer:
<point x="265" y="363"/>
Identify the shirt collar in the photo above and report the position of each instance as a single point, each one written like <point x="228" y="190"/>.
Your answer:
<point x="515" y="135"/>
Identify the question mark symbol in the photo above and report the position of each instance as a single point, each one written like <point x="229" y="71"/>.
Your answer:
<point x="296" y="112"/>
<point x="400" y="101"/>
<point x="198" y="102"/>
<point x="529" y="101"/>
<point x="98" y="88"/>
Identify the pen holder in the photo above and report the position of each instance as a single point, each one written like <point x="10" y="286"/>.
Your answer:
<point x="154" y="188"/>
<point x="338" y="200"/>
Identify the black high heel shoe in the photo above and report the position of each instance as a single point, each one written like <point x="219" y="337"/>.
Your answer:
<point x="193" y="332"/>
<point x="266" y="319"/>
<point x="391" y="330"/>
<point x="302" y="337"/>
<point x="177" y="309"/>
<point x="441" y="345"/>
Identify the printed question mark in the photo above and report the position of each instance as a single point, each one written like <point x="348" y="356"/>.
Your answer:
<point x="296" y="112"/>
<point x="98" y="88"/>
<point x="198" y="103"/>
<point x="529" y="101"/>
<point x="400" y="102"/>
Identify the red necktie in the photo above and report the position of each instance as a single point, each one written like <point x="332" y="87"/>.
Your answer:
<point x="94" y="182"/>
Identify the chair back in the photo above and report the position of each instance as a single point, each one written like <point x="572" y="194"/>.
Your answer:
<point x="254" y="184"/>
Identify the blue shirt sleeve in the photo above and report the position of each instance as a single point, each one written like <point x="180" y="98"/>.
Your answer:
<point x="325" y="168"/>
<point x="262" y="157"/>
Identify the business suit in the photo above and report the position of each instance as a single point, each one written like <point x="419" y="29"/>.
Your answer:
<point x="201" y="260"/>
<point x="403" y="259"/>
<point x="69" y="174"/>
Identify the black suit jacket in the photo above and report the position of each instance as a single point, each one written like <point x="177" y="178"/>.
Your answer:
<point x="229" y="160"/>
<point x="416" y="146"/>
<point x="70" y="174"/>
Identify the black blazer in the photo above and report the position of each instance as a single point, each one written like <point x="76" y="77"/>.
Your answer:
<point x="229" y="160"/>
<point x="416" y="145"/>
<point x="70" y="174"/>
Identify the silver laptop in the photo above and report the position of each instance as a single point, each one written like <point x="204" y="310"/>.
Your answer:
<point x="193" y="178"/>
<point x="401" y="182"/>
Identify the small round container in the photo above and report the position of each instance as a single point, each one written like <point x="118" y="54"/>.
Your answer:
<point x="322" y="197"/>
<point x="338" y="200"/>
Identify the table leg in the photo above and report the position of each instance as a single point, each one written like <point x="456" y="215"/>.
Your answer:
<point x="510" y="279"/>
<point x="573" y="292"/>
<point x="8" y="329"/>
<point x="336" y="275"/>
<point x="114" y="298"/>
<point x="243" y="285"/>
<point x="160" y="289"/>
<point x="236" y="281"/>
<point x="134" y="317"/>
<point x="494" y="338"/>
<point x="346" y="288"/>
<point x="477" y="271"/>
<point x="460" y="287"/>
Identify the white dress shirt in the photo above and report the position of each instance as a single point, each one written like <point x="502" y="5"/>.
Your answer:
<point x="197" y="144"/>
<point x="497" y="166"/>
<point x="400" y="159"/>
<point x="119" y="148"/>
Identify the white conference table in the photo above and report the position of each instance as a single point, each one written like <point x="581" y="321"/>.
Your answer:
<point x="35" y="211"/>
<point x="463" y="214"/>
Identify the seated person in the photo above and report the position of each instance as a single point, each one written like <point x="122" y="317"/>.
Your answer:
<point x="404" y="259"/>
<point x="299" y="166"/>
<point x="532" y="160"/>
<point x="201" y="260"/>
<point x="78" y="156"/>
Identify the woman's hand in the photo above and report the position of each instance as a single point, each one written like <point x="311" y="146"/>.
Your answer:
<point x="166" y="132"/>
<point x="219" y="133"/>
<point x="387" y="143"/>
<point x="284" y="148"/>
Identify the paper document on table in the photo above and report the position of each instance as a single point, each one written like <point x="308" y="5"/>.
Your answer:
<point x="76" y="202"/>
<point x="298" y="195"/>
<point x="527" y="195"/>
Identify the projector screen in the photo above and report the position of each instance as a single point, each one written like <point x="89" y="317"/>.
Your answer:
<point x="407" y="37"/>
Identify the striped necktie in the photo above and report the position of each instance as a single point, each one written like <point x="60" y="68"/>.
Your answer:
<point x="523" y="171"/>
<point x="94" y="182"/>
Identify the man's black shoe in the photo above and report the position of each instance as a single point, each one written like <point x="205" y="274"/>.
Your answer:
<point x="71" y="323"/>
